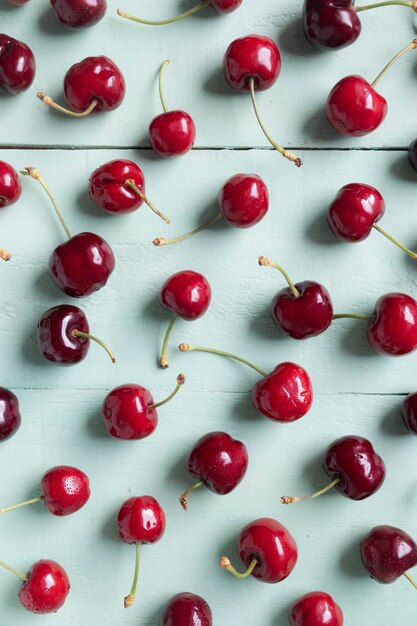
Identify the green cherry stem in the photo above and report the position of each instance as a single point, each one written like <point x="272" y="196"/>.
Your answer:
<point x="292" y="499"/>
<point x="198" y="7"/>
<point x="285" y="153"/>
<point x="14" y="571"/>
<point x="180" y="382"/>
<point x="161" y="91"/>
<point x="130" y="599"/>
<point x="6" y="509"/>
<point x="410" y="253"/>
<point x="183" y="497"/>
<point x="411" y="46"/>
<point x="4" y="255"/>
<point x="163" y="361"/>
<point x="80" y="333"/>
<point x="57" y="107"/>
<point x="225" y="563"/>
<point x="352" y="316"/>
<point x="264" y="262"/>
<point x="387" y="3"/>
<point x="185" y="347"/>
<point x="34" y="173"/>
<point x="131" y="184"/>
<point x="161" y="241"/>
<point x="410" y="579"/>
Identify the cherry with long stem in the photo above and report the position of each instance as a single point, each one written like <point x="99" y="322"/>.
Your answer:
<point x="317" y="494"/>
<point x="183" y="497"/>
<point x="201" y="5"/>
<point x="80" y="333"/>
<point x="162" y="241"/>
<point x="4" y="255"/>
<point x="185" y="347"/>
<point x="180" y="382"/>
<point x="6" y="509"/>
<point x="43" y="97"/>
<point x="387" y="3"/>
<point x="224" y="563"/>
<point x="264" y="262"/>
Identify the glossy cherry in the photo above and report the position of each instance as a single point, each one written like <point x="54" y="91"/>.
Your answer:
<point x="300" y="310"/>
<point x="354" y="107"/>
<point x="141" y="520"/>
<point x="10" y="418"/>
<point x="94" y="85"/>
<point x="393" y="329"/>
<point x="219" y="462"/>
<point x="285" y="395"/>
<point x="354" y="468"/>
<point x="409" y="412"/>
<point x="388" y="553"/>
<point x="172" y="133"/>
<point x="267" y="549"/>
<point x="10" y="187"/>
<point x="253" y="63"/>
<point x="17" y="65"/>
<point x="187" y="609"/>
<point x="63" y="335"/>
<point x="221" y="6"/>
<point x="331" y="24"/>
<point x="187" y="295"/>
<point x="130" y="412"/>
<point x="77" y="14"/>
<point x="315" y="609"/>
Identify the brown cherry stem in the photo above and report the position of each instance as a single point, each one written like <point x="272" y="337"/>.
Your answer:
<point x="14" y="571"/>
<point x="292" y="499"/>
<point x="180" y="382"/>
<point x="163" y="361"/>
<point x="410" y="253"/>
<point x="161" y="241"/>
<point x="183" y="497"/>
<point x="198" y="7"/>
<point x="34" y="173"/>
<point x="387" y="3"/>
<point x="4" y="255"/>
<point x="80" y="333"/>
<point x="225" y="563"/>
<point x="133" y="187"/>
<point x="411" y="46"/>
<point x="57" y="107"/>
<point x="410" y="579"/>
<point x="352" y="316"/>
<point x="6" y="509"/>
<point x="285" y="153"/>
<point x="185" y="347"/>
<point x="130" y="599"/>
<point x="264" y="262"/>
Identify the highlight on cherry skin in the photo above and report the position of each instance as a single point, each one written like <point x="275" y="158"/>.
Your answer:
<point x="300" y="310"/>
<point x="267" y="550"/>
<point x="118" y="187"/>
<point x="130" y="412"/>
<point x="253" y="63"/>
<point x="285" y="395"/>
<point x="354" y="107"/>
<point x="219" y="463"/>
<point x="409" y="412"/>
<point x="76" y="14"/>
<point x="94" y="85"/>
<point x="10" y="417"/>
<point x="220" y="6"/>
<point x="10" y="187"/>
<point x="44" y="587"/>
<point x="354" y="468"/>
<point x="335" y="24"/>
<point x="187" y="609"/>
<point x="17" y="65"/>
<point x="186" y="295"/>
<point x="243" y="203"/>
<point x="140" y="521"/>
<point x="316" y="608"/>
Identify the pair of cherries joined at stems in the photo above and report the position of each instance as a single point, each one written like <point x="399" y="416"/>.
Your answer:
<point x="74" y="14"/>
<point x="17" y="65"/>
<point x="10" y="192"/>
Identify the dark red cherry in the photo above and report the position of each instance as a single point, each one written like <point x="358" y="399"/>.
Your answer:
<point x="17" y="65"/>
<point x="10" y="418"/>
<point x="108" y="187"/>
<point x="315" y="609"/>
<point x="79" y="13"/>
<point x="219" y="462"/>
<point x="267" y="549"/>
<point x="45" y="587"/>
<point x="409" y="412"/>
<point x="252" y="56"/>
<point x="354" y="211"/>
<point x="331" y="24"/>
<point x="388" y="553"/>
<point x="66" y="490"/>
<point x="393" y="330"/>
<point x="10" y="187"/>
<point x="187" y="609"/>
<point x="244" y="200"/>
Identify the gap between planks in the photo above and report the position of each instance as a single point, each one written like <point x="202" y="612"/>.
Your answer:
<point x="210" y="148"/>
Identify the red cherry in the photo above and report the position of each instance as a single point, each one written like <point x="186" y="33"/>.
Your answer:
<point x="171" y="133"/>
<point x="79" y="13"/>
<point x="225" y="6"/>
<point x="10" y="418"/>
<point x="387" y="553"/>
<point x="129" y="411"/>
<point x="45" y="587"/>
<point x="221" y="6"/>
<point x="10" y="187"/>
<point x="300" y="310"/>
<point x="17" y="65"/>
<point x="331" y="24"/>
<point x="267" y="549"/>
<point x="141" y="520"/>
<point x="63" y="335"/>
<point x="187" y="295"/>
<point x="219" y="462"/>
<point x="187" y="609"/>
<point x="393" y="330"/>
<point x="315" y="609"/>
<point x="92" y="86"/>
<point x="409" y="412"/>
<point x="66" y="490"/>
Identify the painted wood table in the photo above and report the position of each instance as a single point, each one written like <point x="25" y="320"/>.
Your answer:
<point x="356" y="391"/>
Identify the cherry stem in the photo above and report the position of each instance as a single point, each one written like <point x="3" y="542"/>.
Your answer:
<point x="225" y="563"/>
<point x="130" y="183"/>
<point x="410" y="579"/>
<point x="161" y="91"/>
<point x="198" y="7"/>
<point x="292" y="499"/>
<point x="411" y="46"/>
<point x="34" y="173"/>
<point x="410" y="253"/>
<point x="57" y="107"/>
<point x="130" y="599"/>
<point x="353" y="316"/>
<point x="183" y="497"/>
<point x="185" y="347"/>
<point x="263" y="262"/>
<point x="5" y="509"/>
<point x="387" y="3"/>
<point x="285" y="153"/>
<point x="14" y="571"/>
<point x="180" y="382"/>
<point x="161" y="241"/>
<point x="4" y="255"/>
<point x="163" y="361"/>
<point x="80" y="333"/>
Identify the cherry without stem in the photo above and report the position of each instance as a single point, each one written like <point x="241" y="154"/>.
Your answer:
<point x="10" y="418"/>
<point x="315" y="609"/>
<point x="76" y="14"/>
<point x="187" y="609"/>
<point x="10" y="187"/>
<point x="17" y="65"/>
<point x="409" y="412"/>
<point x="221" y="6"/>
